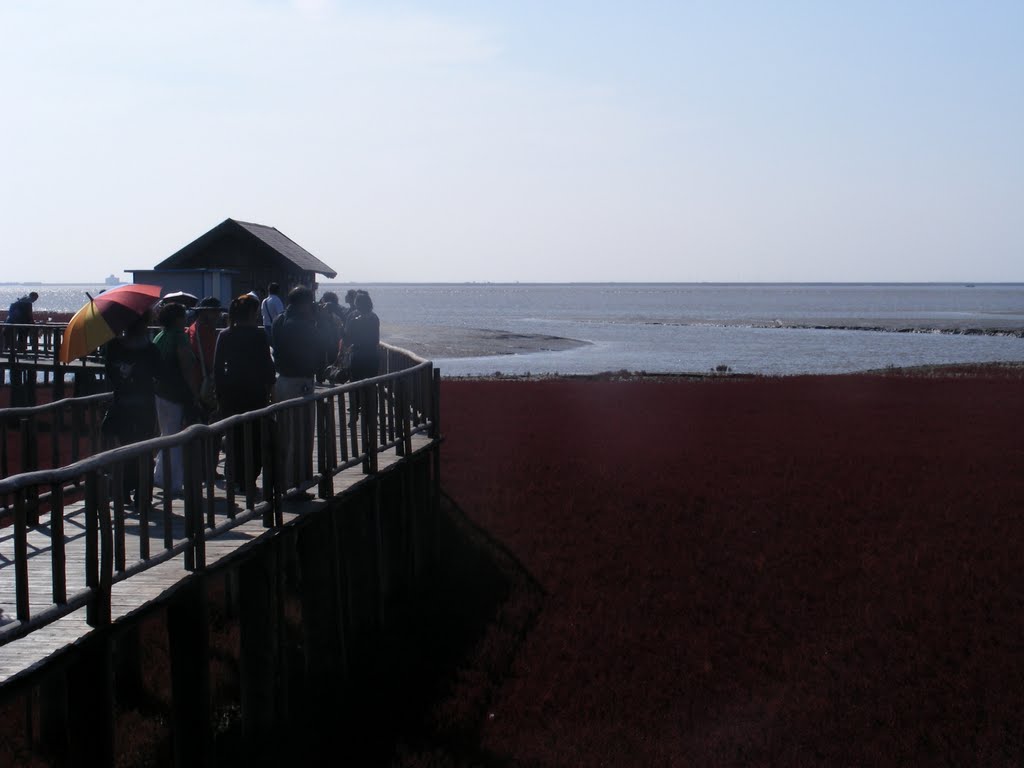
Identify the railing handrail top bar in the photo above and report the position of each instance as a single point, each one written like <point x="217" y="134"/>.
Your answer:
<point x="411" y="355"/>
<point x="35" y="410"/>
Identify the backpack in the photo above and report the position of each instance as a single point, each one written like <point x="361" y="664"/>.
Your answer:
<point x="17" y="313"/>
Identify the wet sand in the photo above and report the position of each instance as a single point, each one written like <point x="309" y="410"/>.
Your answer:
<point x="435" y="342"/>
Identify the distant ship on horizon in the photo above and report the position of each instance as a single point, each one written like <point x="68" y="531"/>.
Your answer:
<point x="112" y="280"/>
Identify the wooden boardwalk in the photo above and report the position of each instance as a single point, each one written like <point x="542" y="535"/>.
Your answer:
<point x="129" y="595"/>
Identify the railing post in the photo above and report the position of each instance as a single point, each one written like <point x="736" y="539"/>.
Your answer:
<point x="58" y="368"/>
<point x="98" y="560"/>
<point x="59" y="558"/>
<point x="435" y="405"/>
<point x="144" y="495"/>
<point x="168" y="507"/>
<point x="272" y="459"/>
<point x="196" y="551"/>
<point x="325" y="486"/>
<point x="210" y="445"/>
<point x="117" y="484"/>
<point x="406" y="388"/>
<point x="30" y="455"/>
<point x="21" y="557"/>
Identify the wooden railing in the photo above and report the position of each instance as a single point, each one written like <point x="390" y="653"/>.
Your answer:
<point x="394" y="406"/>
<point x="31" y="352"/>
<point x="68" y="423"/>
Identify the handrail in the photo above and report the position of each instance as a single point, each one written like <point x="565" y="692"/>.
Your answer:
<point x="394" y="406"/>
<point x="105" y="458"/>
<point x="28" y="411"/>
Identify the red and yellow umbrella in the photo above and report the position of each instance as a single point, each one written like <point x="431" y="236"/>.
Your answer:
<point x="104" y="317"/>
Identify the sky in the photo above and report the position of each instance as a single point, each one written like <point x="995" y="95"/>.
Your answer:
<point x="454" y="141"/>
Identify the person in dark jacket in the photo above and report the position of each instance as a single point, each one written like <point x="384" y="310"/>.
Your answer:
<point x="361" y="339"/>
<point x="298" y="356"/>
<point x="330" y="324"/>
<point x="19" y="313"/>
<point x="244" y="375"/>
<point x="362" y="334"/>
<point x="132" y="364"/>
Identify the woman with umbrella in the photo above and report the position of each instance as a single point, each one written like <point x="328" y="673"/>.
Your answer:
<point x="132" y="367"/>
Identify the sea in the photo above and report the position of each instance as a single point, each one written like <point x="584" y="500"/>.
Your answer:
<point x="773" y="328"/>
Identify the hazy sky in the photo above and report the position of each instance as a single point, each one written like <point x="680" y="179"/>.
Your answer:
<point x="523" y="140"/>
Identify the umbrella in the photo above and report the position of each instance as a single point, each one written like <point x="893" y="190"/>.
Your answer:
<point x="104" y="317"/>
<point x="180" y="297"/>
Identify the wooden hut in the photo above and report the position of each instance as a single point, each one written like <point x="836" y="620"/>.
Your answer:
<point x="235" y="257"/>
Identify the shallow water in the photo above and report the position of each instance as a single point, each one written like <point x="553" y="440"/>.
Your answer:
<point x="677" y="327"/>
<point x="693" y="328"/>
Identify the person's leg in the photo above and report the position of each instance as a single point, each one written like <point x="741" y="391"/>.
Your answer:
<point x="177" y="453"/>
<point x="171" y="417"/>
<point x="285" y="389"/>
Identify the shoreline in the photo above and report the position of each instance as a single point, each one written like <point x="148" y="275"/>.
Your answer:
<point x="1011" y="368"/>
<point x="445" y="342"/>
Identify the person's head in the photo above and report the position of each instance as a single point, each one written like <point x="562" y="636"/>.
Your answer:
<point x="208" y="311"/>
<point x="172" y="315"/>
<point x="329" y="298"/>
<point x="33" y="296"/>
<point x="274" y="288"/>
<point x="350" y="297"/>
<point x="244" y="310"/>
<point x="300" y="302"/>
<point x="141" y="326"/>
<point x="363" y="302"/>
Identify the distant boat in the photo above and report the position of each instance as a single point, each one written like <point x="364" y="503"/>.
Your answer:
<point x="112" y="280"/>
<point x="969" y="285"/>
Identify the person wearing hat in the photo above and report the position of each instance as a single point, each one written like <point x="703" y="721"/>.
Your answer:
<point x="202" y="337"/>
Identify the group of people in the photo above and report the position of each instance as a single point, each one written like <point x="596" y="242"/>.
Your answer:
<point x="196" y="371"/>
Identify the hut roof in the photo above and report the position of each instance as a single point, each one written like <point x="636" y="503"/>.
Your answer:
<point x="268" y="236"/>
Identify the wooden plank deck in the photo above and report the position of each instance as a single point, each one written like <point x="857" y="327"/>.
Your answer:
<point x="137" y="591"/>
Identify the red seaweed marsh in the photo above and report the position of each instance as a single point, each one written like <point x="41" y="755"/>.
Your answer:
<point x="757" y="571"/>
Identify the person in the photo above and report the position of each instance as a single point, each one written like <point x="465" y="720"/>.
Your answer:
<point x="177" y="392"/>
<point x="202" y="338"/>
<point x="330" y="324"/>
<point x="19" y="313"/>
<point x="362" y="337"/>
<point x="297" y="358"/>
<point x="132" y="364"/>
<point x="272" y="307"/>
<point x="244" y="374"/>
<point x="350" y="301"/>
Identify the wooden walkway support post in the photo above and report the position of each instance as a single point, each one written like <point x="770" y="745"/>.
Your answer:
<point x="188" y="634"/>
<point x="323" y="638"/>
<point x="91" y="703"/>
<point x="259" y="619"/>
